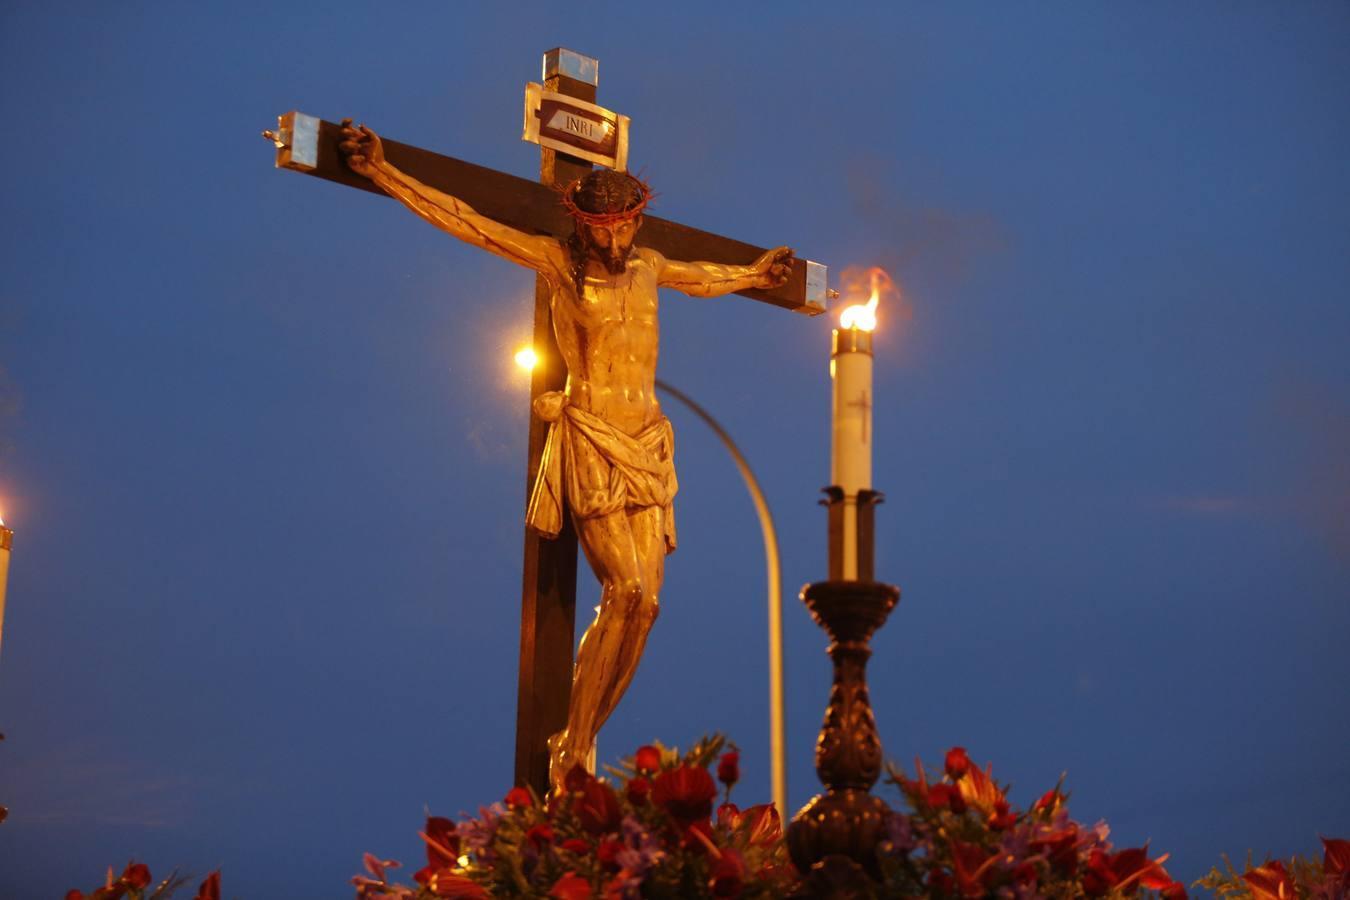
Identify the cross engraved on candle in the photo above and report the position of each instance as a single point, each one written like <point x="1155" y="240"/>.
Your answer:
<point x="862" y="403"/>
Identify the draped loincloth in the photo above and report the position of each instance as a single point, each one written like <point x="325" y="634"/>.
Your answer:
<point x="598" y="469"/>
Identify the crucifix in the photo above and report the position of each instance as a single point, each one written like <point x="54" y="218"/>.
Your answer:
<point x="599" y="447"/>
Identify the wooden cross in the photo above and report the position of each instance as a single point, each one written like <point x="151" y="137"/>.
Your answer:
<point x="548" y="598"/>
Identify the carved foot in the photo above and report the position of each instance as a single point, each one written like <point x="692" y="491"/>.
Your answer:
<point x="562" y="758"/>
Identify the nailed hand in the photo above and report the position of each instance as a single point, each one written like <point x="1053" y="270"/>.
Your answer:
<point x="361" y="147"/>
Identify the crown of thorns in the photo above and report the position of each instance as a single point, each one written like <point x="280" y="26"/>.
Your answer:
<point x="606" y="218"/>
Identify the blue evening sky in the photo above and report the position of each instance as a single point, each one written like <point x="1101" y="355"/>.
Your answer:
<point x="263" y="445"/>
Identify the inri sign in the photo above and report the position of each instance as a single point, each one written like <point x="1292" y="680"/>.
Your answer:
<point x="575" y="127"/>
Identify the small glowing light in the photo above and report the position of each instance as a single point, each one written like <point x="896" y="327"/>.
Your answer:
<point x="863" y="316"/>
<point x="526" y="358"/>
<point x="463" y="861"/>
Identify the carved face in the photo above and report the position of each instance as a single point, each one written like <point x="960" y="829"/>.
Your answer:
<point x="611" y="245"/>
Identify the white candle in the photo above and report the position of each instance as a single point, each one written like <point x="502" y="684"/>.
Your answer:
<point x="851" y="444"/>
<point x="6" y="539"/>
<point x="851" y="457"/>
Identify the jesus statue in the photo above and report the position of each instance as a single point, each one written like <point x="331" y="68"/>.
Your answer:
<point x="609" y="452"/>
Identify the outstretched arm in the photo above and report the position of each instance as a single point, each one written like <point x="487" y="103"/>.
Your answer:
<point x="705" y="279"/>
<point x="365" y="156"/>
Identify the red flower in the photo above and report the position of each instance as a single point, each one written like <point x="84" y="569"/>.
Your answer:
<point x="442" y="847"/>
<point x="73" y="894"/>
<point x="729" y="768"/>
<point x="686" y="793"/>
<point x="571" y="887"/>
<point x="210" y="888"/>
<point x="946" y="795"/>
<point x="698" y="836"/>
<point x="1336" y="856"/>
<point x="608" y="853"/>
<point x="539" y="835"/>
<point x="979" y="790"/>
<point x="519" y="798"/>
<point x="136" y="876"/>
<point x="577" y="779"/>
<point x="638" y="790"/>
<point x="1060" y="847"/>
<point x="1270" y="882"/>
<point x="576" y="845"/>
<point x="972" y="866"/>
<point x="448" y="884"/>
<point x="1002" y="817"/>
<point x="1098" y="879"/>
<point x="728" y="875"/>
<point x="1174" y="891"/>
<point x="1124" y="871"/>
<point x="957" y="762"/>
<point x="647" y="759"/>
<point x="598" y="808"/>
<point x="1049" y="803"/>
<point x="760" y="823"/>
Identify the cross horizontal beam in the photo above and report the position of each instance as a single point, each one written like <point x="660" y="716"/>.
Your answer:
<point x="308" y="144"/>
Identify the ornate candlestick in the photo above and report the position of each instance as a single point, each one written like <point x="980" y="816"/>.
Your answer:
<point x="833" y="839"/>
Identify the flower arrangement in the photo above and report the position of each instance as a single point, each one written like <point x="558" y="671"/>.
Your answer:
<point x="962" y="838"/>
<point x="653" y="833"/>
<point x="654" y="829"/>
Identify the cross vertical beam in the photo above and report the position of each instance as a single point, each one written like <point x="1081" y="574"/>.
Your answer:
<point x="549" y="589"/>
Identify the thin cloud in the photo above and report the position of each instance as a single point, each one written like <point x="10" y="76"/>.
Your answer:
<point x="77" y="791"/>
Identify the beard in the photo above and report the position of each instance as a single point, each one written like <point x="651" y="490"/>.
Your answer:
<point x="612" y="258"/>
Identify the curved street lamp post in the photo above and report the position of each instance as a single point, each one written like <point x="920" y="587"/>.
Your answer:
<point x="777" y="724"/>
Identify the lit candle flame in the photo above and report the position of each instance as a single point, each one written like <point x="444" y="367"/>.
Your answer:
<point x="863" y="316"/>
<point x="526" y="358"/>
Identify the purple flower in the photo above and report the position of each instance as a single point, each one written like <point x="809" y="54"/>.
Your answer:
<point x="1016" y="843"/>
<point x="477" y="835"/>
<point x="641" y="851"/>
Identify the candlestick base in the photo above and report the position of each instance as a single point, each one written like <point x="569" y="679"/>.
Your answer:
<point x="834" y="838"/>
